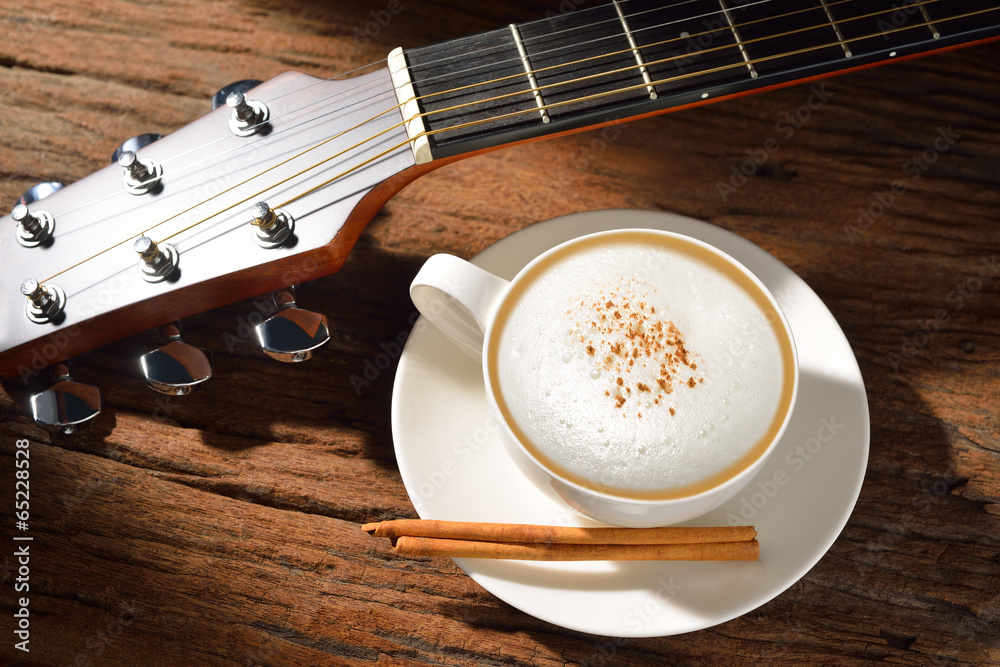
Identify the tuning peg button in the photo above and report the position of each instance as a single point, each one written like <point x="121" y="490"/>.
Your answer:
<point x="45" y="302"/>
<point x="67" y="405"/>
<point x="33" y="227"/>
<point x="292" y="334"/>
<point x="157" y="261"/>
<point x="248" y="116"/>
<point x="140" y="175"/>
<point x="177" y="367"/>
<point x="270" y="228"/>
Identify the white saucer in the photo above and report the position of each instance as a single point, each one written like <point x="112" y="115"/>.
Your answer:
<point x="454" y="467"/>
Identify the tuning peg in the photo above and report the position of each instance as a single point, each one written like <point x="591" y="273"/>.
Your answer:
<point x="248" y="116"/>
<point x="38" y="192"/>
<point x="219" y="99"/>
<point x="270" y="228"/>
<point x="292" y="334"/>
<point x="140" y="175"/>
<point x="133" y="144"/>
<point x="67" y="405"/>
<point x="177" y="367"/>
<point x="33" y="227"/>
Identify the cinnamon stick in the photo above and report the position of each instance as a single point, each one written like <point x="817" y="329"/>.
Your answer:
<point x="529" y="533"/>
<point x="705" y="551"/>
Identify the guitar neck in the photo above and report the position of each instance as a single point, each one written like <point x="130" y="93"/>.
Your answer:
<point x="637" y="57"/>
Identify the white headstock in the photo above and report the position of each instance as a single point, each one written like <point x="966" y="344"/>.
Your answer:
<point x="325" y="157"/>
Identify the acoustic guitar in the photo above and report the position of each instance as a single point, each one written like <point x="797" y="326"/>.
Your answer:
<point x="274" y="186"/>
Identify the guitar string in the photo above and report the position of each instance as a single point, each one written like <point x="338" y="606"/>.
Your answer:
<point x="316" y="146"/>
<point x="635" y="87"/>
<point x="519" y="76"/>
<point x="598" y="75"/>
<point x="193" y="167"/>
<point x="405" y="143"/>
<point x="476" y="102"/>
<point x="572" y="101"/>
<point x="533" y="110"/>
<point x="244" y="147"/>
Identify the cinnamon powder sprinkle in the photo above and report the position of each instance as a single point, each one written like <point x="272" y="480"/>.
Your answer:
<point x="628" y="338"/>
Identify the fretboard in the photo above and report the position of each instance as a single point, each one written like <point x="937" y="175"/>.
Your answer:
<point x="634" y="57"/>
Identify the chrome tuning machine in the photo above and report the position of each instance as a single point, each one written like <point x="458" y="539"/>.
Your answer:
<point x="248" y="116"/>
<point x="176" y="368"/>
<point x="67" y="405"/>
<point x="157" y="261"/>
<point x="270" y="228"/>
<point x="44" y="303"/>
<point x="34" y="227"/>
<point x="292" y="334"/>
<point x="140" y="175"/>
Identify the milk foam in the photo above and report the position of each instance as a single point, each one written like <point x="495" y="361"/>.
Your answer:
<point x="638" y="368"/>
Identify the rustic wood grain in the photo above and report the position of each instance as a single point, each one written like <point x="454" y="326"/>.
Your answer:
<point x="223" y="528"/>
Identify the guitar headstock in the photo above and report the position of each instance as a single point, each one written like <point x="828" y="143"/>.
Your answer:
<point x="266" y="191"/>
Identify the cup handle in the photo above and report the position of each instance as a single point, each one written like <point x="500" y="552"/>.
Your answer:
<point x="458" y="298"/>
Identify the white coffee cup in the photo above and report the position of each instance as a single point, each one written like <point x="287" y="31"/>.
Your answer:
<point x="634" y="476"/>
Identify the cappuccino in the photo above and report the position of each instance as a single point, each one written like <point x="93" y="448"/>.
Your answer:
<point x="641" y="366"/>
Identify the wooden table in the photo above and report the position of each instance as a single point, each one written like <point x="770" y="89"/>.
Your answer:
<point x="223" y="528"/>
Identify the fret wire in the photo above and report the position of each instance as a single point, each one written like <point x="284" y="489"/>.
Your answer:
<point x="542" y="108"/>
<point x="930" y="24"/>
<point x="826" y="4"/>
<point x="739" y="42"/>
<point x="833" y="23"/>
<point x="635" y="50"/>
<point x="531" y="75"/>
<point x="836" y="28"/>
<point x="616" y="3"/>
<point x="548" y="106"/>
<point x="652" y="27"/>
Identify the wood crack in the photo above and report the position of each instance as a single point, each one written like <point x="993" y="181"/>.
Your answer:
<point x="10" y="62"/>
